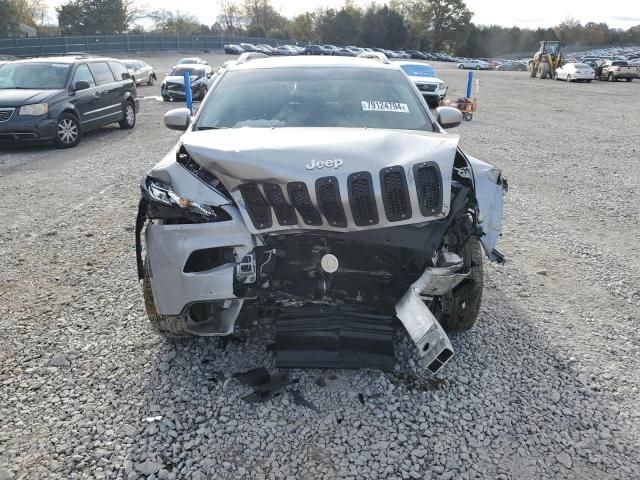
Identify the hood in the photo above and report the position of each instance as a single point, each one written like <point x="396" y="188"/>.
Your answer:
<point x="180" y="79"/>
<point x="311" y="157"/>
<point x="16" y="97"/>
<point x="425" y="79"/>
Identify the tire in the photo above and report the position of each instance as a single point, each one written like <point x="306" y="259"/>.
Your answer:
<point x="461" y="67"/>
<point x="458" y="310"/>
<point x="610" y="77"/>
<point x="152" y="80"/>
<point x="629" y="79"/>
<point x="588" y="81"/>
<point x="543" y="70"/>
<point x="165" y="99"/>
<point x="129" y="116"/>
<point x="433" y="103"/>
<point x="468" y="117"/>
<point x="569" y="78"/>
<point x="167" y="326"/>
<point x="477" y="68"/>
<point x="68" y="131"/>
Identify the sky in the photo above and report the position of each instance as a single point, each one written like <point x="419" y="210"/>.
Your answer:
<point x="530" y="14"/>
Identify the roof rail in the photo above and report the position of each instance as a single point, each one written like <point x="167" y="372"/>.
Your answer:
<point x="248" y="56"/>
<point x="381" y="57"/>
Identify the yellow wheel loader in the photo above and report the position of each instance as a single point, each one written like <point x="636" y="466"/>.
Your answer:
<point x="545" y="62"/>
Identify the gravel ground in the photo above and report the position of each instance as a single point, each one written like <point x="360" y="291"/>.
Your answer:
<point x="545" y="386"/>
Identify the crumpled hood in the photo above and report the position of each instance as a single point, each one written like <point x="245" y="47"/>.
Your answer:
<point x="178" y="79"/>
<point x="281" y="156"/>
<point x="425" y="79"/>
<point x="18" y="97"/>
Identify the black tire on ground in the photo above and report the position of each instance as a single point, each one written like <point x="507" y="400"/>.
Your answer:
<point x="468" y="117"/>
<point x="169" y="327"/>
<point x="588" y="81"/>
<point x="433" y="102"/>
<point x="458" y="310"/>
<point x="629" y="79"/>
<point x="460" y="67"/>
<point x="610" y="77"/>
<point x="165" y="99"/>
<point x="128" y="116"/>
<point x="68" y="131"/>
<point x="152" y="80"/>
<point x="478" y="68"/>
<point x="543" y="70"/>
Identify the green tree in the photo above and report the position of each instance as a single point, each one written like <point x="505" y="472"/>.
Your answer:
<point x="8" y="19"/>
<point x="92" y="16"/>
<point x="178" y="22"/>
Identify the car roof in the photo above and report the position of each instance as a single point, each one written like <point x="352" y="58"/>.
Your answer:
<point x="190" y="65"/>
<point x="70" y="59"/>
<point x="414" y="63"/>
<point x="314" y="62"/>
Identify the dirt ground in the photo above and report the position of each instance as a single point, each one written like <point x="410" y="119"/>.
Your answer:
<point x="545" y="386"/>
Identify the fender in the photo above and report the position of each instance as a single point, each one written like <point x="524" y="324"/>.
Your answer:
<point x="489" y="189"/>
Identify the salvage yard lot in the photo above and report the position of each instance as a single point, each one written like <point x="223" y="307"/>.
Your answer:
<point x="547" y="385"/>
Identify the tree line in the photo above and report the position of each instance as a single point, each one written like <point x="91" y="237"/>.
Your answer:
<point x="431" y="25"/>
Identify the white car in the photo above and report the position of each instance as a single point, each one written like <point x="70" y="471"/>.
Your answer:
<point x="424" y="76"/>
<point x="287" y="50"/>
<point x="140" y="71"/>
<point x="473" y="64"/>
<point x="575" y="72"/>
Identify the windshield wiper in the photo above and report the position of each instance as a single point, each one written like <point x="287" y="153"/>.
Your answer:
<point x="211" y="128"/>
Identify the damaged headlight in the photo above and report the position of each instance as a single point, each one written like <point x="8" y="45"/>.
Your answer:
<point x="164" y="203"/>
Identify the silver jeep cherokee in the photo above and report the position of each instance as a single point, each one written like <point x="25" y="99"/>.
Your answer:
<point x="319" y="193"/>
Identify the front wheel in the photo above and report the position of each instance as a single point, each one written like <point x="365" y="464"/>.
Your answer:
<point x="468" y="117"/>
<point x="457" y="311"/>
<point x="67" y="131"/>
<point x="152" y="80"/>
<point x="129" y="117"/>
<point x="167" y="326"/>
<point x="460" y="67"/>
<point x="610" y="77"/>
<point x="477" y="68"/>
<point x="629" y="79"/>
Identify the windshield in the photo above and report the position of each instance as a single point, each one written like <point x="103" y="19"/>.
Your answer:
<point x="37" y="76"/>
<point x="581" y="65"/>
<point x="128" y="64"/>
<point x="314" y="97"/>
<point x="418" y="70"/>
<point x="193" y="72"/>
<point x="188" y="60"/>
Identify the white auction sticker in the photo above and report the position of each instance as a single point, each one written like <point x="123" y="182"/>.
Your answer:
<point x="377" y="106"/>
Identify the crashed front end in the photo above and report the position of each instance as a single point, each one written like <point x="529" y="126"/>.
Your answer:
<point x="291" y="219"/>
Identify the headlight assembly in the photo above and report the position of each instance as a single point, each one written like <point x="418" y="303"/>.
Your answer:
<point x="164" y="203"/>
<point x="37" y="109"/>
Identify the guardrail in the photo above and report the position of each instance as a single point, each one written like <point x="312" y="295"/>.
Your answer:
<point x="34" y="46"/>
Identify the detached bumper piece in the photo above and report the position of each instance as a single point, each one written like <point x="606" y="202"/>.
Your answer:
<point x="334" y="338"/>
<point x="423" y="328"/>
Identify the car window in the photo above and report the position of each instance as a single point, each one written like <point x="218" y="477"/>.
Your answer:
<point x="619" y="64"/>
<point x="314" y="97"/>
<point x="193" y="71"/>
<point x="418" y="70"/>
<point x="101" y="72"/>
<point x="581" y="65"/>
<point x="37" y="75"/>
<point x="119" y="71"/>
<point x="84" y="74"/>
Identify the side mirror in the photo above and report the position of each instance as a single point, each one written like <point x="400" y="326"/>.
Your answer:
<point x="448" y="117"/>
<point x="177" y="119"/>
<point x="81" y="85"/>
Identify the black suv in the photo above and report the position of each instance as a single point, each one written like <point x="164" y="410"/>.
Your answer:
<point x="59" y="98"/>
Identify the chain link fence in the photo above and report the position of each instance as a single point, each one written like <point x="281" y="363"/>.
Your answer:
<point x="35" y="46"/>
